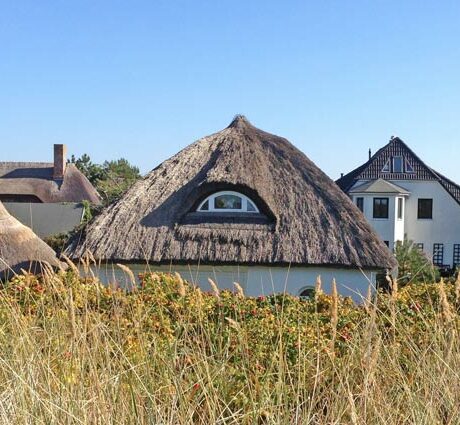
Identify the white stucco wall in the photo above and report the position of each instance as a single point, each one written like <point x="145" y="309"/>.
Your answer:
<point x="443" y="228"/>
<point x="257" y="280"/>
<point x="385" y="227"/>
<point x="445" y="225"/>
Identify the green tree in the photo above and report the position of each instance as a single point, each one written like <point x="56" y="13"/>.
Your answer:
<point x="111" y="179"/>
<point x="93" y="172"/>
<point x="119" y="176"/>
<point x="413" y="265"/>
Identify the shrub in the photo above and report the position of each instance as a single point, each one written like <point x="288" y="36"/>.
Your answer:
<point x="413" y="265"/>
<point x="73" y="350"/>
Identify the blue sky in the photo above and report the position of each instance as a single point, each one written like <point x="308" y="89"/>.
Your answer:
<point x="143" y="79"/>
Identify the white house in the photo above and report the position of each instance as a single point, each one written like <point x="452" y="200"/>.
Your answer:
<point x="241" y="205"/>
<point x="402" y="197"/>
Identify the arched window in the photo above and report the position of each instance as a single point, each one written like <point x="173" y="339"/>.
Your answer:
<point x="227" y="201"/>
<point x="307" y="293"/>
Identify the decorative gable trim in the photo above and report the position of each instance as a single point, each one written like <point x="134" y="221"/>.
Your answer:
<point x="415" y="169"/>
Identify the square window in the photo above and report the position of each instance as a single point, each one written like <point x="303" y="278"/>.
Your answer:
<point x="360" y="203"/>
<point x="380" y="208"/>
<point x="425" y="208"/>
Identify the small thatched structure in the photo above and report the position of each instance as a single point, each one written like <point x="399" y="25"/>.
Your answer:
<point x="304" y="218"/>
<point x="21" y="248"/>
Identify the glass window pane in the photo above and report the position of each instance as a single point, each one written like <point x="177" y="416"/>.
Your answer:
<point x="386" y="167"/>
<point x="205" y="206"/>
<point x="380" y="208"/>
<point x="360" y="203"/>
<point x="397" y="164"/>
<point x="251" y="206"/>
<point x="425" y="208"/>
<point x="227" y="202"/>
<point x="400" y="208"/>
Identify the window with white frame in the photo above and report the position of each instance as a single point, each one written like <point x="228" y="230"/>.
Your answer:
<point x="228" y="201"/>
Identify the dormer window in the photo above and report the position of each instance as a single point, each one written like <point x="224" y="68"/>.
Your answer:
<point x="228" y="201"/>
<point x="397" y="164"/>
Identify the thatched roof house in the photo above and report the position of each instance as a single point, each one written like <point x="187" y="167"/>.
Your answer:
<point x="45" y="182"/>
<point x="20" y="248"/>
<point x="276" y="208"/>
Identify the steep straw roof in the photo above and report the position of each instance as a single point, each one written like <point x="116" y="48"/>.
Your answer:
<point x="21" y="248"/>
<point x="36" y="178"/>
<point x="305" y="218"/>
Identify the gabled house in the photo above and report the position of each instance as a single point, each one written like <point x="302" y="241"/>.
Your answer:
<point x="240" y="205"/>
<point x="402" y="197"/>
<point x="46" y="196"/>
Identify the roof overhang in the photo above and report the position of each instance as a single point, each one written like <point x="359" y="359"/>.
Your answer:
<point x="378" y="187"/>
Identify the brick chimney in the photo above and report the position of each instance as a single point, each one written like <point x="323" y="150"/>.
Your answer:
<point x="60" y="153"/>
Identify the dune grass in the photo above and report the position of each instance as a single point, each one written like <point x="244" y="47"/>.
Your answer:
<point x="74" y="351"/>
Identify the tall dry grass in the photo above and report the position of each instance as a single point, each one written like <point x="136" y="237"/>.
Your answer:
<point x="73" y="351"/>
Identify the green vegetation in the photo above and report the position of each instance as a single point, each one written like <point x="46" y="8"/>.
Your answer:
<point x="413" y="265"/>
<point x="75" y="351"/>
<point x="111" y="179"/>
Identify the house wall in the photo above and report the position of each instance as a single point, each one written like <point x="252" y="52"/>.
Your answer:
<point x="48" y="218"/>
<point x="443" y="228"/>
<point x="445" y="225"/>
<point x="385" y="227"/>
<point x="256" y="280"/>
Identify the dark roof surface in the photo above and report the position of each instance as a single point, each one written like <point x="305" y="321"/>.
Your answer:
<point x="36" y="178"/>
<point x="372" y="169"/>
<point x="305" y="218"/>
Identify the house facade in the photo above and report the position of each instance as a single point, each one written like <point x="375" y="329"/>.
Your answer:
<point x="46" y="196"/>
<point x="241" y="205"/>
<point x="402" y="197"/>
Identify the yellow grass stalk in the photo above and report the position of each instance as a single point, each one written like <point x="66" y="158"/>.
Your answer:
<point x="129" y="273"/>
<point x="446" y="309"/>
<point x="334" y="314"/>
<point x="215" y="289"/>
<point x="457" y="288"/>
<point x="71" y="264"/>
<point x="318" y="284"/>
<point x="180" y="284"/>
<point x="239" y="290"/>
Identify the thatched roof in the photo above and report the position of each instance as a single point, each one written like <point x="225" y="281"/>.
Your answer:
<point x="305" y="218"/>
<point x="36" y="179"/>
<point x="21" y="248"/>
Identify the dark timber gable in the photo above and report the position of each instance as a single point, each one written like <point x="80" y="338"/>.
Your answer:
<point x="373" y="169"/>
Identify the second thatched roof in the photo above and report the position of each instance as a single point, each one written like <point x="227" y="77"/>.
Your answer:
<point x="305" y="218"/>
<point x="21" y="248"/>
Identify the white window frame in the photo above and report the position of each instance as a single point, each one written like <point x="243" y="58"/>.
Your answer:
<point x="244" y="203"/>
